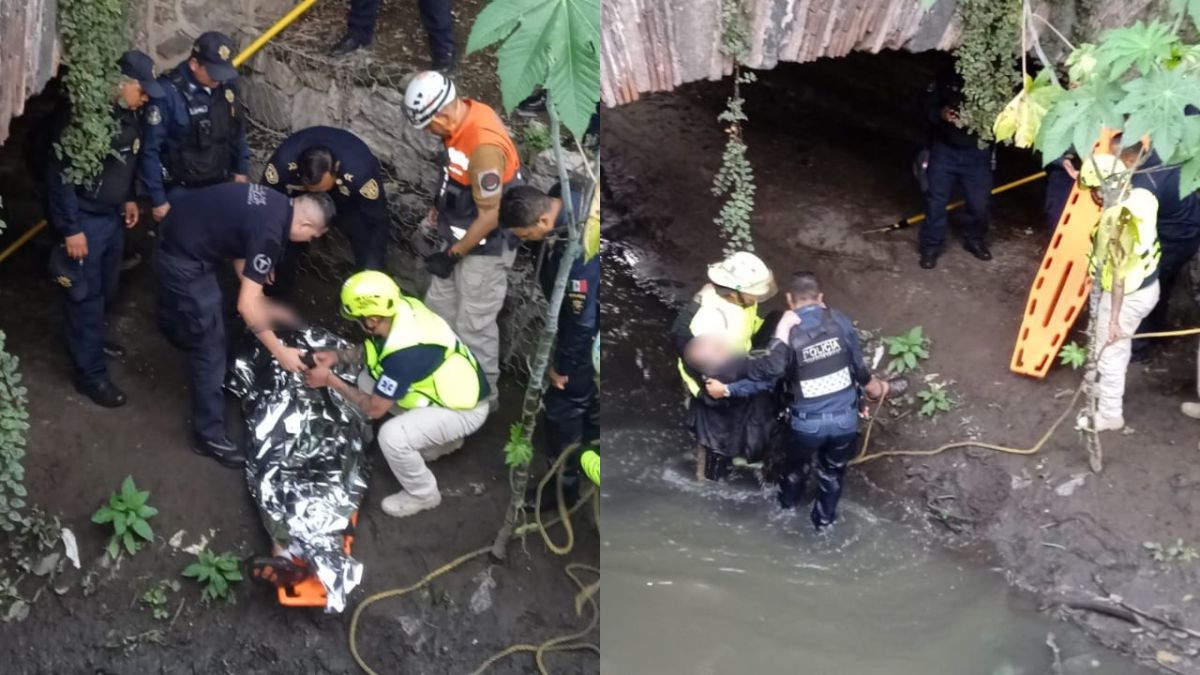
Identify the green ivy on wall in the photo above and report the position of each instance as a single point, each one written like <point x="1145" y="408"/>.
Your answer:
<point x="13" y="425"/>
<point x="984" y="58"/>
<point x="94" y="37"/>
<point x="735" y="179"/>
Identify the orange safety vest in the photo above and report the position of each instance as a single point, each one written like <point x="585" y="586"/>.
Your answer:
<point x="455" y="202"/>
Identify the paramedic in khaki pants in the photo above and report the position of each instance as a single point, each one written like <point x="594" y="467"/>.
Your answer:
<point x="418" y="370"/>
<point x="480" y="165"/>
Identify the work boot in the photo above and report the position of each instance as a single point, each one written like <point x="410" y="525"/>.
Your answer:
<point x="1103" y="423"/>
<point x="113" y="350"/>
<point x="404" y="504"/>
<point x="445" y="64"/>
<point x="346" y="45"/>
<point x="226" y="452"/>
<point x="978" y="249"/>
<point x="102" y="392"/>
<point x="928" y="260"/>
<point x="1190" y="409"/>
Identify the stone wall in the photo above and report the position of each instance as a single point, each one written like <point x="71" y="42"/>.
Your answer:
<point x="29" y="53"/>
<point x="165" y="29"/>
<point x="657" y="45"/>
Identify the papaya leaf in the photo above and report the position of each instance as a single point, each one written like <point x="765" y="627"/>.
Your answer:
<point x="1077" y="118"/>
<point x="1155" y="104"/>
<point x="1143" y="46"/>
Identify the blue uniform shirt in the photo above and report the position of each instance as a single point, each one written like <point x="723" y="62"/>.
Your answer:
<point x="230" y="221"/>
<point x="411" y="365"/>
<point x="1178" y="216"/>
<point x="579" y="317"/>
<point x="355" y="172"/>
<point x="168" y="123"/>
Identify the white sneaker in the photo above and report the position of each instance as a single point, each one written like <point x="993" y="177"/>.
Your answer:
<point x="430" y="454"/>
<point x="1191" y="410"/>
<point x="1102" y="423"/>
<point x="404" y="504"/>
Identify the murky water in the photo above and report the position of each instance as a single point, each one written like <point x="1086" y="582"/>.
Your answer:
<point x="717" y="579"/>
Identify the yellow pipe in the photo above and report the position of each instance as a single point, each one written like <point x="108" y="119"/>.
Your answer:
<point x="913" y="220"/>
<point x="22" y="239"/>
<point x="272" y="32"/>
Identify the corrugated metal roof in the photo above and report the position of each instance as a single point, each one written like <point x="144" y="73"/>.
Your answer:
<point x="28" y="53"/>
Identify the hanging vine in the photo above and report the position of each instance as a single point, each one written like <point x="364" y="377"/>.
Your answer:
<point x="735" y="179"/>
<point x="94" y="36"/>
<point x="13" y="425"/>
<point x="984" y="60"/>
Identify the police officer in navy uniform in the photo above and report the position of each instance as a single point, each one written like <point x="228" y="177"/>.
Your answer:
<point x="817" y="350"/>
<point x="334" y="161"/>
<point x="436" y="16"/>
<point x="956" y="157"/>
<point x="196" y="132"/>
<point x="246" y="225"/>
<point x="89" y="217"/>
<point x="572" y="401"/>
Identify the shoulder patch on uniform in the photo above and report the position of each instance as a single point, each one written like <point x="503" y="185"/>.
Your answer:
<point x="261" y="263"/>
<point x="370" y="189"/>
<point x="229" y="95"/>
<point x="387" y="385"/>
<point x="153" y="115"/>
<point x="256" y="195"/>
<point x="489" y="183"/>
<point x="271" y="174"/>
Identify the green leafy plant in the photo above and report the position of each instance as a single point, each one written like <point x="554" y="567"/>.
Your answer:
<point x="158" y="596"/>
<point x="553" y="44"/>
<point x="907" y="350"/>
<point x="1074" y="355"/>
<point x="216" y="573"/>
<point x="94" y="37"/>
<point x="1177" y="552"/>
<point x="129" y="514"/>
<point x="518" y="451"/>
<point x="984" y="58"/>
<point x="935" y="398"/>
<point x="536" y="137"/>
<point x="734" y="180"/>
<point x="14" y="424"/>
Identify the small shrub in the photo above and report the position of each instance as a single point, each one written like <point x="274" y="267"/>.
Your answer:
<point x="518" y="451"/>
<point x="128" y="512"/>
<point x="934" y="399"/>
<point x="907" y="351"/>
<point x="1177" y="552"/>
<point x="536" y="137"/>
<point x="1074" y="355"/>
<point x="216" y="573"/>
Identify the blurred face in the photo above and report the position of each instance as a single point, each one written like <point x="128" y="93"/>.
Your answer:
<point x="130" y="95"/>
<point x="324" y="185"/>
<point x="540" y="229"/>
<point x="707" y="353"/>
<point x="305" y="231"/>
<point x="201" y="73"/>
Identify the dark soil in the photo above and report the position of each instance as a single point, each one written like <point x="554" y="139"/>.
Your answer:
<point x="79" y="453"/>
<point x="823" y="180"/>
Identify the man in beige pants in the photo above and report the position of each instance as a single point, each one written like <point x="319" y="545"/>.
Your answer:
<point x="418" y="371"/>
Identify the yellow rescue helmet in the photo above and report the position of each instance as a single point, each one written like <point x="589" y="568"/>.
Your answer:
<point x="370" y="293"/>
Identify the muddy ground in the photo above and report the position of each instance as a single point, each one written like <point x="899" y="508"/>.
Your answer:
<point x="79" y="453"/>
<point x="822" y="179"/>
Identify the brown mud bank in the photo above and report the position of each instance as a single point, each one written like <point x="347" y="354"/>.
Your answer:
<point x="1074" y="539"/>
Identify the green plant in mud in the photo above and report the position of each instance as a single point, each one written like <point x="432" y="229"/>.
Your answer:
<point x="907" y="350"/>
<point x="157" y="597"/>
<point x="536" y="137"/>
<point x="14" y="423"/>
<point x="935" y="399"/>
<point x="1073" y="354"/>
<point x="984" y="59"/>
<point x="216" y="573"/>
<point x="94" y="36"/>
<point x="518" y="451"/>
<point x="1177" y="552"/>
<point x="129" y="515"/>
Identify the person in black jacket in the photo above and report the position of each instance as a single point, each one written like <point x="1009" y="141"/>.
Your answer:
<point x="572" y="402"/>
<point x="89" y="218"/>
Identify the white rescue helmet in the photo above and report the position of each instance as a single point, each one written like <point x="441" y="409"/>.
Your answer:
<point x="746" y="273"/>
<point x="426" y="95"/>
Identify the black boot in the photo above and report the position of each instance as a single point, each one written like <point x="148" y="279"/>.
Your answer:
<point x="978" y="249"/>
<point x="346" y="45"/>
<point x="716" y="465"/>
<point x="445" y="64"/>
<point x="928" y="260"/>
<point x="225" y="451"/>
<point x="102" y="392"/>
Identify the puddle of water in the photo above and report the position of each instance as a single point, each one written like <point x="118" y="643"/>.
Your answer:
<point x="716" y="579"/>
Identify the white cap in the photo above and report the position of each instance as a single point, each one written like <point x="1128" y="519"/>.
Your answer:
<point x="746" y="273"/>
<point x="426" y="95"/>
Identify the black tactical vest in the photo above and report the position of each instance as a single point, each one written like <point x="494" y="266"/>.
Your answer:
<point x="115" y="182"/>
<point x="823" y="361"/>
<point x="207" y="154"/>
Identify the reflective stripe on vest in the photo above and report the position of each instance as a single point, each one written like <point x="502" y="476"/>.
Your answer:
<point x="454" y="384"/>
<point x="717" y="315"/>
<point x="1143" y="205"/>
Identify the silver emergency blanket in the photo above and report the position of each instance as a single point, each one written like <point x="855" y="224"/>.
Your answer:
<point x="305" y="457"/>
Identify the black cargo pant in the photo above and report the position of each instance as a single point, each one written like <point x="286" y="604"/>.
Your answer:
<point x="826" y="442"/>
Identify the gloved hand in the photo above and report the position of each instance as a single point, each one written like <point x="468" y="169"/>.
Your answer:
<point x="441" y="264"/>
